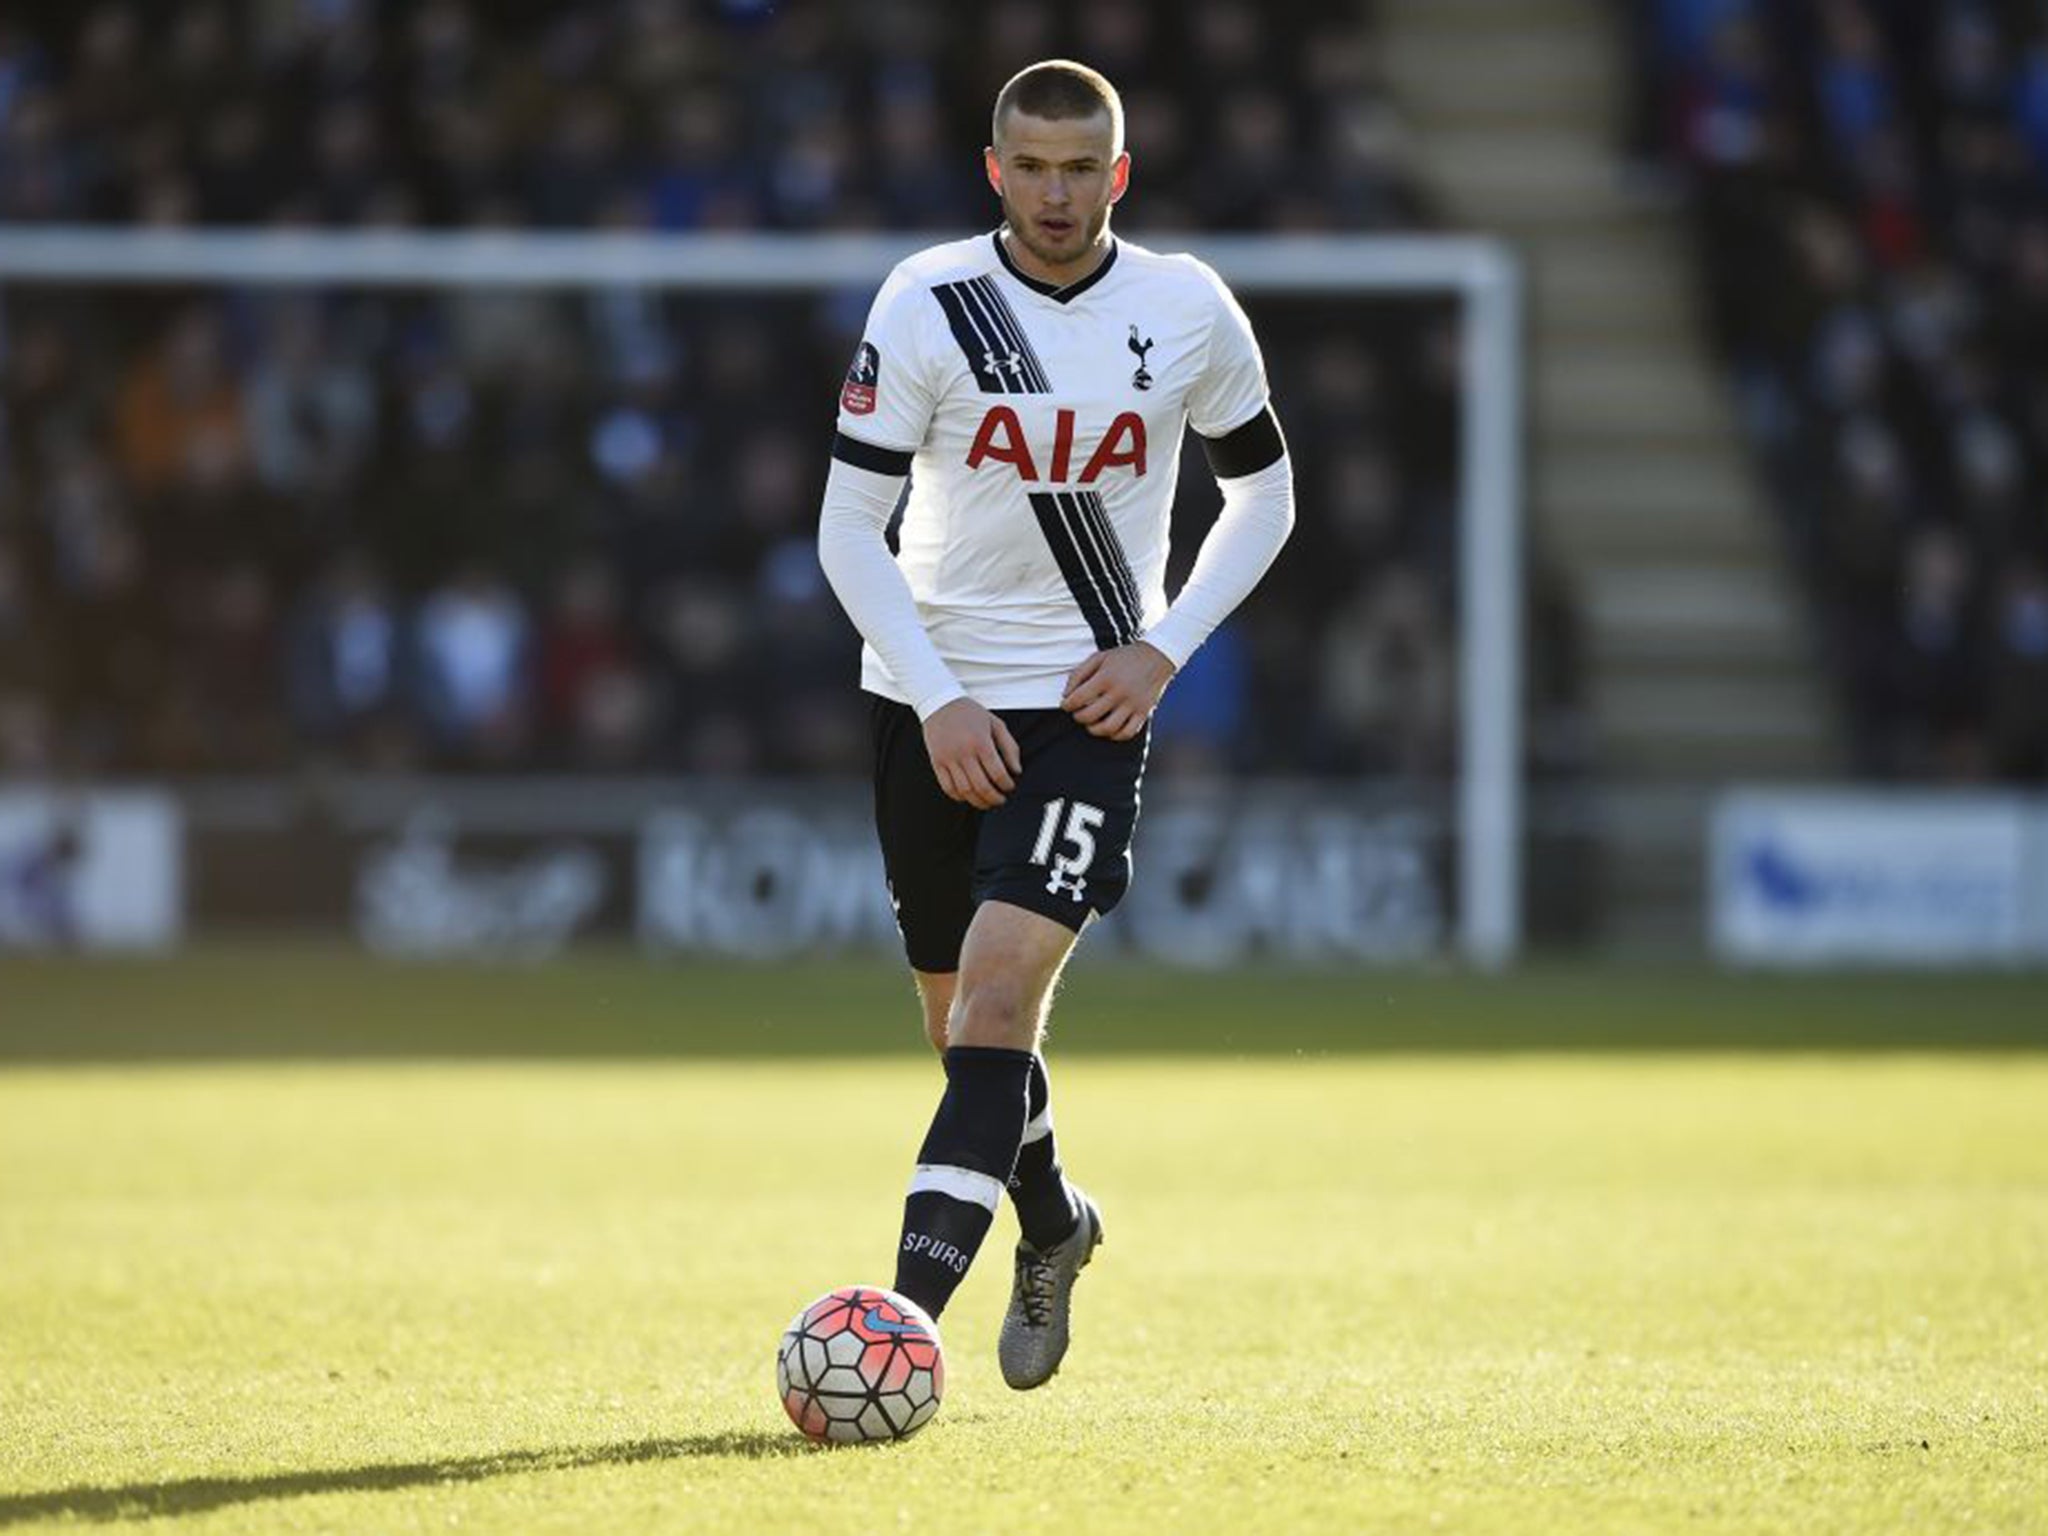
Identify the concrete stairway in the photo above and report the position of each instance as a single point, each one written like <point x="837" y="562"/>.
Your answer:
<point x="1700" y="660"/>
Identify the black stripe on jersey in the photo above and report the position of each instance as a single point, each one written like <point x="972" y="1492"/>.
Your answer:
<point x="977" y="345"/>
<point x="1005" y="321"/>
<point x="972" y="345"/>
<point x="882" y="461"/>
<point x="999" y="366"/>
<point x="1089" y="566"/>
<point x="1096" y="517"/>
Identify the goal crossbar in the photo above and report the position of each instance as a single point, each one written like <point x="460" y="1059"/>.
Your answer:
<point x="1479" y="272"/>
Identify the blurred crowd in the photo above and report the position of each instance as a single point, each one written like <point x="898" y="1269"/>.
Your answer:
<point x="239" y="530"/>
<point x="1871" y="185"/>
<point x="670" y="114"/>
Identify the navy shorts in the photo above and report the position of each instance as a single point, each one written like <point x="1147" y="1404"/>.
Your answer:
<point x="1060" y="845"/>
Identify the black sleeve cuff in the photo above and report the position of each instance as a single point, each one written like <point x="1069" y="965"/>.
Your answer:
<point x="882" y="461"/>
<point x="1247" y="450"/>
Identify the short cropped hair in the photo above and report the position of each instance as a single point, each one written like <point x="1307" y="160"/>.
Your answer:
<point x="1060" y="90"/>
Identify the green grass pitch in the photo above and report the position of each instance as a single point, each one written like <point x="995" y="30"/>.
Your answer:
<point x="293" y="1242"/>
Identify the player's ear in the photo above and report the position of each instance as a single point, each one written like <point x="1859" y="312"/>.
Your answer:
<point x="993" y="167"/>
<point x="1120" y="177"/>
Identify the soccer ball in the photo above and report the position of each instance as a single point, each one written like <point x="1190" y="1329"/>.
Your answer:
<point x="860" y="1364"/>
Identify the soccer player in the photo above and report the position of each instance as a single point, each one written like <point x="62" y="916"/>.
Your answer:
<point x="1033" y="384"/>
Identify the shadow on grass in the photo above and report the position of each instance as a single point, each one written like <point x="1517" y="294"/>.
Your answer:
<point x="197" y="1495"/>
<point x="313" y="1002"/>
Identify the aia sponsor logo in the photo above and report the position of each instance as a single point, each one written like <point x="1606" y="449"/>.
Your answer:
<point x="858" y="396"/>
<point x="1000" y="438"/>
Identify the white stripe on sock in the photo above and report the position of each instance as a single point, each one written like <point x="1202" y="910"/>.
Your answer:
<point x="1038" y="1127"/>
<point x="959" y="1183"/>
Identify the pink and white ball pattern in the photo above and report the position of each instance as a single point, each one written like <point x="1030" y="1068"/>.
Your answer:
<point x="860" y="1364"/>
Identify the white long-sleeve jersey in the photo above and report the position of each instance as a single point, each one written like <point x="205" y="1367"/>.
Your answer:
<point x="1041" y="429"/>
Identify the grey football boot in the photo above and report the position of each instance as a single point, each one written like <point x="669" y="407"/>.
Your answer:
<point x="1035" y="1329"/>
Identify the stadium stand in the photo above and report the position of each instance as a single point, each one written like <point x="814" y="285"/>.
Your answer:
<point x="241" y="531"/>
<point x="1867" y="183"/>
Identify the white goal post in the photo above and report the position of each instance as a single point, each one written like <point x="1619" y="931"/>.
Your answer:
<point x="1478" y="271"/>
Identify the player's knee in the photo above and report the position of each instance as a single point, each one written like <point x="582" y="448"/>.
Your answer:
<point x="998" y="1011"/>
<point x="935" y="992"/>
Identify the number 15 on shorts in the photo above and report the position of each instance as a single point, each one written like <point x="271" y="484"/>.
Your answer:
<point x="1069" y="868"/>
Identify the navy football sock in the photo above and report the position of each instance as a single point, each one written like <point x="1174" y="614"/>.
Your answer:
<point x="1046" y="1207"/>
<point x="965" y="1162"/>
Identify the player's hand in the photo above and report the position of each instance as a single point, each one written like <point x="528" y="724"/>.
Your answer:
<point x="1113" y="693"/>
<point x="973" y="753"/>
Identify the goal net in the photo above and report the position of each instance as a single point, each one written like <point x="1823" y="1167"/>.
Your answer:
<point x="530" y="515"/>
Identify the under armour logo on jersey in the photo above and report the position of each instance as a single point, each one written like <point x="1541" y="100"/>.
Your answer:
<point x="1011" y="362"/>
<point x="1141" y="379"/>
<point x="992" y="342"/>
